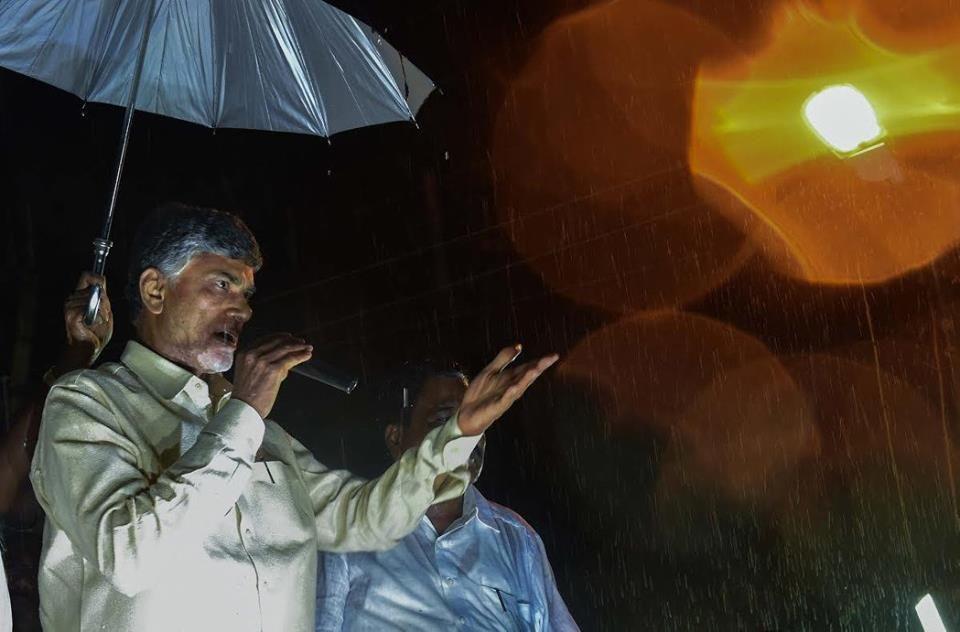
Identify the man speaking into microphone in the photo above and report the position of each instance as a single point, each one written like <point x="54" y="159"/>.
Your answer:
<point x="172" y="502"/>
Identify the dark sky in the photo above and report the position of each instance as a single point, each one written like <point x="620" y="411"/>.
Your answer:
<point x="391" y="242"/>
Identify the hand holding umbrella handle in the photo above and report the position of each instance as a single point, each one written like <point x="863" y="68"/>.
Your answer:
<point x="93" y="305"/>
<point x="101" y="248"/>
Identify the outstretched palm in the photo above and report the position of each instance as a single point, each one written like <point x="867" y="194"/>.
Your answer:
<point x="496" y="387"/>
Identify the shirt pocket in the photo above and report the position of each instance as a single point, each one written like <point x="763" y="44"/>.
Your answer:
<point x="282" y="507"/>
<point x="519" y="611"/>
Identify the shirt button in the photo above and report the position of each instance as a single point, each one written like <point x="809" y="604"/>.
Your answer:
<point x="450" y="581"/>
<point x="462" y="621"/>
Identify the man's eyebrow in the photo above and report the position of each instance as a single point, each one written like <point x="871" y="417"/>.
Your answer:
<point x="250" y="291"/>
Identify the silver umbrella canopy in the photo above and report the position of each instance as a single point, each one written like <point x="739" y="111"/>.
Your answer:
<point x="299" y="66"/>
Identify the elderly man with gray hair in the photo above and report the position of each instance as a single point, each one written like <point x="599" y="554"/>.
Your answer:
<point x="172" y="502"/>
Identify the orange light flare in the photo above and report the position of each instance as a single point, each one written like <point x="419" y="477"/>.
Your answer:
<point x="589" y="155"/>
<point x="884" y="486"/>
<point x="821" y="215"/>
<point x="734" y="421"/>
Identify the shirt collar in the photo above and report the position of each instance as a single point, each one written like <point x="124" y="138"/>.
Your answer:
<point x="474" y="504"/>
<point x="164" y="377"/>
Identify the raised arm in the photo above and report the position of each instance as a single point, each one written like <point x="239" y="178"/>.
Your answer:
<point x="353" y="514"/>
<point x="87" y="478"/>
<point x="356" y="515"/>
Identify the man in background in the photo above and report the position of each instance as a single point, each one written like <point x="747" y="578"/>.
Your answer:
<point x="468" y="564"/>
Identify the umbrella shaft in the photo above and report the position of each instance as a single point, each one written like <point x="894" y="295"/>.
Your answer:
<point x="127" y="125"/>
<point x="102" y="244"/>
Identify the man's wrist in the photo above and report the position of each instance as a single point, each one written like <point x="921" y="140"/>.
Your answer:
<point x="467" y="426"/>
<point x="74" y="357"/>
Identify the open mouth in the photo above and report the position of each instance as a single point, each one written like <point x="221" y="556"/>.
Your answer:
<point x="227" y="337"/>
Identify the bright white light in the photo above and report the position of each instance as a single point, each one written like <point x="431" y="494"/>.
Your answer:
<point x="929" y="617"/>
<point x="842" y="117"/>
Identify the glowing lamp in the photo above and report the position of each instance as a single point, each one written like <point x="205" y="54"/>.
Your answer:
<point x="843" y="119"/>
<point x="929" y="617"/>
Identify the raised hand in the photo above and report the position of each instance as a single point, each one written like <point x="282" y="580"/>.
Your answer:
<point x="496" y="387"/>
<point x="259" y="370"/>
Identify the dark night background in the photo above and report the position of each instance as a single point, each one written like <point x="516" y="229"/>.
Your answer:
<point x="390" y="241"/>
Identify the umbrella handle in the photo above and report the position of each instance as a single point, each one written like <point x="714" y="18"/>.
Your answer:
<point x="93" y="305"/>
<point x="101" y="248"/>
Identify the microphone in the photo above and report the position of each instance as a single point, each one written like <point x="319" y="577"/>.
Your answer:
<point x="320" y="371"/>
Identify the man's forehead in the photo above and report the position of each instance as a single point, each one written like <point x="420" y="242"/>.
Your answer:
<point x="440" y="390"/>
<point x="210" y="262"/>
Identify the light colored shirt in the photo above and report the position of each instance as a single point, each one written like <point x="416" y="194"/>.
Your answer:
<point x="159" y="517"/>
<point x="6" y="613"/>
<point x="487" y="571"/>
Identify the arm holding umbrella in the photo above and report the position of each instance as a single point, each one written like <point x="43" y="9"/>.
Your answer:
<point x="83" y="346"/>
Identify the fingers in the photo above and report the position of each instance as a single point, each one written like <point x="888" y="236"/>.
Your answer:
<point x="75" y="305"/>
<point x="534" y="367"/>
<point x="279" y="355"/>
<point x="89" y="278"/>
<point x="496" y="389"/>
<point x="281" y="350"/>
<point x="504" y="358"/>
<point x="526" y="374"/>
<point x="78" y="296"/>
<point x="268" y="344"/>
<point x="295" y="357"/>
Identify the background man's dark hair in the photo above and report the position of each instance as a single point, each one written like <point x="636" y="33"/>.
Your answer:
<point x="395" y="393"/>
<point x="174" y="233"/>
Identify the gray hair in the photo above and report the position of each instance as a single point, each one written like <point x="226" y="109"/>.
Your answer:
<point x="174" y="233"/>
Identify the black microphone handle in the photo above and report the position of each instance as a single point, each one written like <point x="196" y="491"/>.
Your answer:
<point x="316" y="370"/>
<point x="320" y="371"/>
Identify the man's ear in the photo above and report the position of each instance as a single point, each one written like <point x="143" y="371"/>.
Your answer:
<point x="393" y="435"/>
<point x="152" y="290"/>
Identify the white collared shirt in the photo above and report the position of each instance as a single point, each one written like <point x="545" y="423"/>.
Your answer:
<point x="487" y="571"/>
<point x="159" y="517"/>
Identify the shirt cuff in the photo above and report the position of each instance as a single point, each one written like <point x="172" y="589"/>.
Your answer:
<point x="239" y="425"/>
<point x="455" y="447"/>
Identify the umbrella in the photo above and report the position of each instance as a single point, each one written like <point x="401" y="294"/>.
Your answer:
<point x="298" y="66"/>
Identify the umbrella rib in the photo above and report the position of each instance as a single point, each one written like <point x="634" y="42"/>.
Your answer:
<point x="256" y="61"/>
<point x="163" y="56"/>
<point x="350" y="91"/>
<point x="102" y="49"/>
<point x="46" y="41"/>
<point x="375" y="58"/>
<point x="293" y="54"/>
<point x="215" y="76"/>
